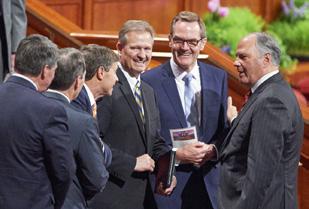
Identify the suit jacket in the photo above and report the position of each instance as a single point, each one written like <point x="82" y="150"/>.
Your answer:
<point x="121" y="126"/>
<point x="36" y="155"/>
<point x="91" y="175"/>
<point x="261" y="152"/>
<point x="15" y="22"/>
<point x="213" y="121"/>
<point x="82" y="102"/>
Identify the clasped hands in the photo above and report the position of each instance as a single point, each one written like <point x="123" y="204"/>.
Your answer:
<point x="196" y="153"/>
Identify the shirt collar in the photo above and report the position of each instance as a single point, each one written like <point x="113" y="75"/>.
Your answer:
<point x="26" y="78"/>
<point x="179" y="73"/>
<point x="131" y="80"/>
<point x="263" y="79"/>
<point x="60" y="93"/>
<point x="90" y="95"/>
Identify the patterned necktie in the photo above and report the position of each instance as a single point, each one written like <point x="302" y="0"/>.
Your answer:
<point x="190" y="102"/>
<point x="94" y="110"/>
<point x="138" y="99"/>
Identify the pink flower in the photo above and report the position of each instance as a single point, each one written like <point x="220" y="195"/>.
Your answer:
<point x="213" y="5"/>
<point x="223" y="11"/>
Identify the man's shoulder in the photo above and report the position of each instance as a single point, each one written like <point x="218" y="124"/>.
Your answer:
<point x="156" y="71"/>
<point x="78" y="114"/>
<point x="211" y="68"/>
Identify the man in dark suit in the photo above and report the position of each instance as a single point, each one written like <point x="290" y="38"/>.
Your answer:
<point x="261" y="152"/>
<point x="197" y="181"/>
<point x="91" y="174"/>
<point x="129" y="123"/>
<point x="36" y="155"/>
<point x="13" y="25"/>
<point x="101" y="67"/>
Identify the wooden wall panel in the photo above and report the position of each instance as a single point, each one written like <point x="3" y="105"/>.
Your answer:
<point x="71" y="9"/>
<point x="111" y="14"/>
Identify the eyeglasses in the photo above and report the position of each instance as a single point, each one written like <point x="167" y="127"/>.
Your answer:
<point x="181" y="42"/>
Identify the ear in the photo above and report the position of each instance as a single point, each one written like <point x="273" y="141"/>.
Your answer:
<point x="77" y="83"/>
<point x="267" y="59"/>
<point x="170" y="43"/>
<point x="203" y="43"/>
<point x="100" y="73"/>
<point x="44" y="72"/>
<point x="119" y="47"/>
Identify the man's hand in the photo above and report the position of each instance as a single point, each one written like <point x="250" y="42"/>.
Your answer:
<point x="144" y="163"/>
<point x="167" y="191"/>
<point x="192" y="153"/>
<point x="231" y="110"/>
<point x="211" y="153"/>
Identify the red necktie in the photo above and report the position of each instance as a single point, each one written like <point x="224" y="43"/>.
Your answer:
<point x="246" y="97"/>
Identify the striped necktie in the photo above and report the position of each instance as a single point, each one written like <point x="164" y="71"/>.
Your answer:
<point x="138" y="99"/>
<point x="190" y="102"/>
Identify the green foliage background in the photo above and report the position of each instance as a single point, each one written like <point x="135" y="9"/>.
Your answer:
<point x="227" y="31"/>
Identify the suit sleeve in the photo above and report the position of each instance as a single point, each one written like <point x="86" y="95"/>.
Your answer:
<point x="159" y="147"/>
<point x="92" y="173"/>
<point x="123" y="164"/>
<point x="269" y="125"/>
<point x="58" y="154"/>
<point x="19" y="23"/>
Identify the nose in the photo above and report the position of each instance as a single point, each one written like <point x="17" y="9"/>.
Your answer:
<point x="185" y="45"/>
<point x="141" y="54"/>
<point x="236" y="62"/>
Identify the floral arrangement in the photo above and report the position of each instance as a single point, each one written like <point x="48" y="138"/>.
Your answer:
<point x="293" y="27"/>
<point x="226" y="26"/>
<point x="216" y="9"/>
<point x="292" y="13"/>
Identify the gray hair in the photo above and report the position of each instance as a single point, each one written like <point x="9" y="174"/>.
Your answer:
<point x="34" y="53"/>
<point x="135" y="26"/>
<point x="71" y="64"/>
<point x="186" y="16"/>
<point x="267" y="44"/>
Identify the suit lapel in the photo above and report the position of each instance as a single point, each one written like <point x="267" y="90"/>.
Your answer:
<point x="127" y="93"/>
<point x="205" y="98"/>
<point x="147" y="104"/>
<point x="169" y="85"/>
<point x="250" y="102"/>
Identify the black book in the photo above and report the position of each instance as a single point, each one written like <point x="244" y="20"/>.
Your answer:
<point x="166" y="169"/>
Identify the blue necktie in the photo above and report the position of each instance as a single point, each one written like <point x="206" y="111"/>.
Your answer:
<point x="190" y="102"/>
<point x="138" y="99"/>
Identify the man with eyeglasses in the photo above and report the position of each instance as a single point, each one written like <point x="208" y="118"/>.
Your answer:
<point x="190" y="93"/>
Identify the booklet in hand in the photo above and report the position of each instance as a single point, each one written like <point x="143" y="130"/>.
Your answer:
<point x="166" y="169"/>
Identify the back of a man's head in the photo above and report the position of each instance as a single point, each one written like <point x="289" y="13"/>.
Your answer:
<point x="97" y="56"/>
<point x="34" y="53"/>
<point x="70" y="64"/>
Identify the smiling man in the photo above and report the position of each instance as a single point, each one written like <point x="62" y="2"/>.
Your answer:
<point x="190" y="93"/>
<point x="129" y="123"/>
<point x="260" y="155"/>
